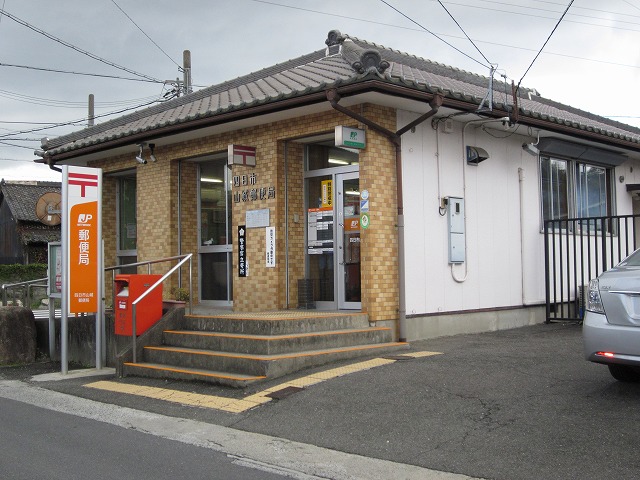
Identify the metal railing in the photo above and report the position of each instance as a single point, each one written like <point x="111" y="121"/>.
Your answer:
<point x="183" y="259"/>
<point x="577" y="250"/>
<point x="30" y="284"/>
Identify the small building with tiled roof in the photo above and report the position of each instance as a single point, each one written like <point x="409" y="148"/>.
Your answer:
<point x="389" y="183"/>
<point x="23" y="236"/>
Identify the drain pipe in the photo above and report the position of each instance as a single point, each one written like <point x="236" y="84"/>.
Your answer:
<point x="334" y="97"/>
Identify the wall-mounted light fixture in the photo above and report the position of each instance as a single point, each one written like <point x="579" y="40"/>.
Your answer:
<point x="475" y="155"/>
<point x="531" y="148"/>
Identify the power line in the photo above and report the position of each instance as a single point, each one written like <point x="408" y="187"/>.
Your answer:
<point x="64" y="124"/>
<point x="68" y="104"/>
<point x="78" y="73"/>
<point x="145" y="34"/>
<point x="73" y="47"/>
<point x="14" y="145"/>
<point x="571" y="14"/>
<point x="530" y="15"/>
<point x="545" y="43"/>
<point x="465" y="33"/>
<point x="428" y="31"/>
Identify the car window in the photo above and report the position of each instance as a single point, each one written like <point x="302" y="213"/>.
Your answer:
<point x="632" y="260"/>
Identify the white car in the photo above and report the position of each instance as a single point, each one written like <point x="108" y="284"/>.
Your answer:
<point x="611" y="328"/>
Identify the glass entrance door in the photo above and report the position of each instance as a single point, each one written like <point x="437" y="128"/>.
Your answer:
<point x="348" y="240"/>
<point x="214" y="220"/>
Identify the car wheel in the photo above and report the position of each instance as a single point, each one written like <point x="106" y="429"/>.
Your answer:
<point x="624" y="373"/>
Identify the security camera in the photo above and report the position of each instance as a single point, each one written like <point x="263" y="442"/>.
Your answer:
<point x="140" y="160"/>
<point x="475" y="155"/>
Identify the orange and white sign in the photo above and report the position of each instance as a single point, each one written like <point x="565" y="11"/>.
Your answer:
<point x="82" y="225"/>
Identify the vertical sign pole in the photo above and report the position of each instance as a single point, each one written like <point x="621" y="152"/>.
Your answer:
<point x="82" y="251"/>
<point x="99" y="311"/>
<point x="64" y="309"/>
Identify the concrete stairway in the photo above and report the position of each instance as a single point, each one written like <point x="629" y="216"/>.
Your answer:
<point x="237" y="350"/>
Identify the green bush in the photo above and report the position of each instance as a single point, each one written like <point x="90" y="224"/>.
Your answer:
<point x="22" y="273"/>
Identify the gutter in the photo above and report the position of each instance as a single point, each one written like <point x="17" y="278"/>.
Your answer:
<point x="394" y="137"/>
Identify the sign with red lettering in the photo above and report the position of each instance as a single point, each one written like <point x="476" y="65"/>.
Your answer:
<point x="82" y="231"/>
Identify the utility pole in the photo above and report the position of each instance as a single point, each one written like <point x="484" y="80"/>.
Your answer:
<point x="91" y="117"/>
<point x="186" y="69"/>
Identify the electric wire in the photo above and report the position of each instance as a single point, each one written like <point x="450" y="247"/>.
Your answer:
<point x="42" y="69"/>
<point x="73" y="122"/>
<point x="570" y="14"/>
<point x="73" y="47"/>
<point x="69" y="104"/>
<point x="462" y="30"/>
<point x="545" y="43"/>
<point x="145" y="34"/>
<point x="430" y="32"/>
<point x="531" y="15"/>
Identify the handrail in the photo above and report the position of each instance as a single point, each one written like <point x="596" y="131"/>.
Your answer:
<point x="184" y="259"/>
<point x="6" y="286"/>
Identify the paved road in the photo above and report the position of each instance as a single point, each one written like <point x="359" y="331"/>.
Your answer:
<point x="38" y="443"/>
<point x="516" y="404"/>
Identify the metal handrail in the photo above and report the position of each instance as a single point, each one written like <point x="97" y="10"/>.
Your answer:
<point x="183" y="260"/>
<point x="28" y="284"/>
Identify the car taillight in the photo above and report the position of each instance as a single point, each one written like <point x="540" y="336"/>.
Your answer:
<point x="606" y="354"/>
<point x="594" y="302"/>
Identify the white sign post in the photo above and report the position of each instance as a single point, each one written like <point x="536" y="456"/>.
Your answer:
<point x="82" y="264"/>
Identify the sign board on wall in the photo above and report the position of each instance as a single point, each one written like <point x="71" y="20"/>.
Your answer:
<point x="82" y="228"/>
<point x="241" y="155"/>
<point x="242" y="251"/>
<point x="270" y="246"/>
<point x="257" y="218"/>
<point x="350" y="137"/>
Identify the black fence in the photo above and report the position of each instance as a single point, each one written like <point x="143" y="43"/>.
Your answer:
<point x="577" y="250"/>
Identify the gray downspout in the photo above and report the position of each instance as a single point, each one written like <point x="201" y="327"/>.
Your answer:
<point x="334" y="97"/>
<point x="286" y="218"/>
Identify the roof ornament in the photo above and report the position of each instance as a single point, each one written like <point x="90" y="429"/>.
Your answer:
<point x="370" y="61"/>
<point x="334" y="42"/>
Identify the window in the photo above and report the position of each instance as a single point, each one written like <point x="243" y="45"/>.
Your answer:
<point x="573" y="189"/>
<point x="127" y="223"/>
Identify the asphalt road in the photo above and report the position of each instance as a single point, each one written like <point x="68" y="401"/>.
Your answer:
<point x="38" y="443"/>
<point x="515" y="405"/>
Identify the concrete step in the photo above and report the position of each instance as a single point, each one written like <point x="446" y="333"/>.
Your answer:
<point x="276" y="323"/>
<point x="174" y="372"/>
<point x="276" y="344"/>
<point x="254" y="365"/>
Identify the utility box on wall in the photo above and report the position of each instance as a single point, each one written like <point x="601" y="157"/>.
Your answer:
<point x="148" y="311"/>
<point x="455" y="223"/>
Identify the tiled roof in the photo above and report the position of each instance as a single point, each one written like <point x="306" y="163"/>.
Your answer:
<point x="21" y="197"/>
<point x="317" y="72"/>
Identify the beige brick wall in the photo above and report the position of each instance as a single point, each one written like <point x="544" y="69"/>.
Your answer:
<point x="264" y="288"/>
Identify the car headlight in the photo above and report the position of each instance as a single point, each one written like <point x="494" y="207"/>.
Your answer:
<point x="594" y="301"/>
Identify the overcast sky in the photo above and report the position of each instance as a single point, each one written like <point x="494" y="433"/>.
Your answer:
<point x="592" y="61"/>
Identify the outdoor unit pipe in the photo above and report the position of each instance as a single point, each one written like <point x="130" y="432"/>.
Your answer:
<point x="334" y="97"/>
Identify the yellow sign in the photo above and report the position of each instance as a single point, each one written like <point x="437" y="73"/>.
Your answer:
<point x="327" y="193"/>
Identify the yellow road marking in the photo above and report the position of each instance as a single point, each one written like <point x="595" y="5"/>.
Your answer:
<point x="233" y="405"/>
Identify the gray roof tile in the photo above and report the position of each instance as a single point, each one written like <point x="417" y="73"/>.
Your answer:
<point x="315" y="72"/>
<point x="21" y="197"/>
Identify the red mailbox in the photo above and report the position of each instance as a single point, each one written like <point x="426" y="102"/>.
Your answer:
<point x="148" y="310"/>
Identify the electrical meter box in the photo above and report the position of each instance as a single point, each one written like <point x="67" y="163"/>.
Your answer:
<point x="455" y="217"/>
<point x="127" y="289"/>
